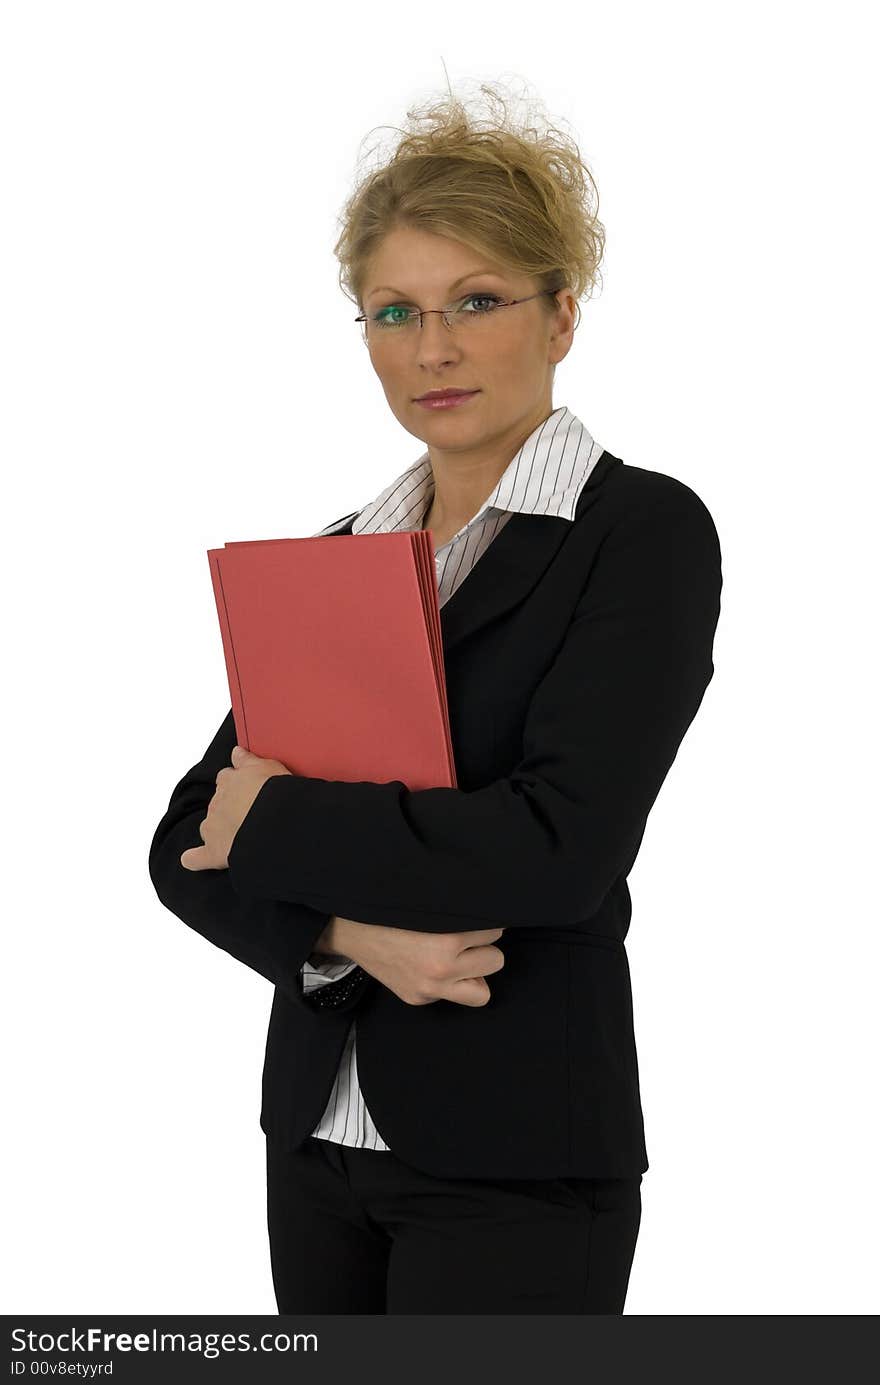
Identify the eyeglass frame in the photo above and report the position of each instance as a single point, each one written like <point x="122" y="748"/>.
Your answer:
<point x="504" y="303"/>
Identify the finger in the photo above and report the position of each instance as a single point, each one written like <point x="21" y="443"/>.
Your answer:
<point x="471" y="991"/>
<point x="477" y="949"/>
<point x="479" y="961"/>
<point x="194" y="858"/>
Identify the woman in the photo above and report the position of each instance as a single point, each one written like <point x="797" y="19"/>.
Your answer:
<point x="437" y="1143"/>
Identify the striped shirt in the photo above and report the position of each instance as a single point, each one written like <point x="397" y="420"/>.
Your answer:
<point x="546" y="476"/>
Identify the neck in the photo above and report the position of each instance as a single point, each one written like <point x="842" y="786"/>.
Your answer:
<point x="463" y="480"/>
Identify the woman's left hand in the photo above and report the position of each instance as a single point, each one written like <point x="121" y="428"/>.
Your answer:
<point x="237" y="787"/>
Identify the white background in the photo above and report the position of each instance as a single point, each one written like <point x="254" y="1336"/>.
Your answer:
<point x="180" y="368"/>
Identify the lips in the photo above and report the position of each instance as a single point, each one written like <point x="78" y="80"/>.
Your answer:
<point x="444" y="394"/>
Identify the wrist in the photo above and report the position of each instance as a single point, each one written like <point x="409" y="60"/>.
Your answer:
<point x="343" y="933"/>
<point x="331" y="944"/>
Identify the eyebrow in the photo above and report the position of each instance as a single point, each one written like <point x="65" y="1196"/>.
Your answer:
<point x="471" y="274"/>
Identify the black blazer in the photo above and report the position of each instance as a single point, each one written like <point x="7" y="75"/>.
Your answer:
<point x="576" y="656"/>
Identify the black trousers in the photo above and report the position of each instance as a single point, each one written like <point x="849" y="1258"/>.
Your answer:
<point x="358" y="1231"/>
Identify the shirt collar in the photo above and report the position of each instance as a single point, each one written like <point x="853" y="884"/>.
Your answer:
<point x="546" y="476"/>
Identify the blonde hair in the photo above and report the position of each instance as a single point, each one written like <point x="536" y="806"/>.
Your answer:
<point x="520" y="195"/>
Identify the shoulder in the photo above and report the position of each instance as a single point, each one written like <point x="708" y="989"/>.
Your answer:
<point x="636" y="497"/>
<point x="632" y="488"/>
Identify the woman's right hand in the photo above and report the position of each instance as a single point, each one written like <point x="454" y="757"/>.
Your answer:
<point x="421" y="967"/>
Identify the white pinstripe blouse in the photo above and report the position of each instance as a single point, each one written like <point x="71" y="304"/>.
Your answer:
<point x="546" y="476"/>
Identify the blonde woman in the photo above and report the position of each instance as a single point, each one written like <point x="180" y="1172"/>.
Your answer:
<point x="450" y="1093"/>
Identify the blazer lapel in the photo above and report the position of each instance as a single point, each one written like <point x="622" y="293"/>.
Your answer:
<point x="512" y="564"/>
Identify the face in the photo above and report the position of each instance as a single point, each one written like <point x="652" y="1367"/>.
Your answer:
<point x="510" y="364"/>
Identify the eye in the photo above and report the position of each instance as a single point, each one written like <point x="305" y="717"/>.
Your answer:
<point x="395" y="315"/>
<point x="481" y="298"/>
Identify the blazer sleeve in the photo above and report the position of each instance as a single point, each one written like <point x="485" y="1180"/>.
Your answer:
<point x="544" y="844"/>
<point x="272" y="936"/>
<point x="329" y="985"/>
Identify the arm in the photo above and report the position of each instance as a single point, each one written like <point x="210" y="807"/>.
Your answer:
<point x="543" y="845"/>
<point x="326" y="969"/>
<point x="273" y="937"/>
<point x="328" y="952"/>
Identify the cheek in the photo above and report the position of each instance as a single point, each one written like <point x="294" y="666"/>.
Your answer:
<point x="513" y="357"/>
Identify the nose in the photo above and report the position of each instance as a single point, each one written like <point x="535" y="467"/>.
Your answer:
<point x="436" y="342"/>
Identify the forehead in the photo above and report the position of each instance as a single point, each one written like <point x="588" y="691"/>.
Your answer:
<point x="410" y="263"/>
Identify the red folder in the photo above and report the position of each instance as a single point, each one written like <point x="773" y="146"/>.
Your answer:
<point x="334" y="655"/>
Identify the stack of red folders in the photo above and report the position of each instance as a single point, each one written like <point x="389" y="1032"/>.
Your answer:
<point x="334" y="655"/>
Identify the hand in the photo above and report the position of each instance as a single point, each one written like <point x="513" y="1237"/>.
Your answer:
<point x="421" y="967"/>
<point x="237" y="787"/>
